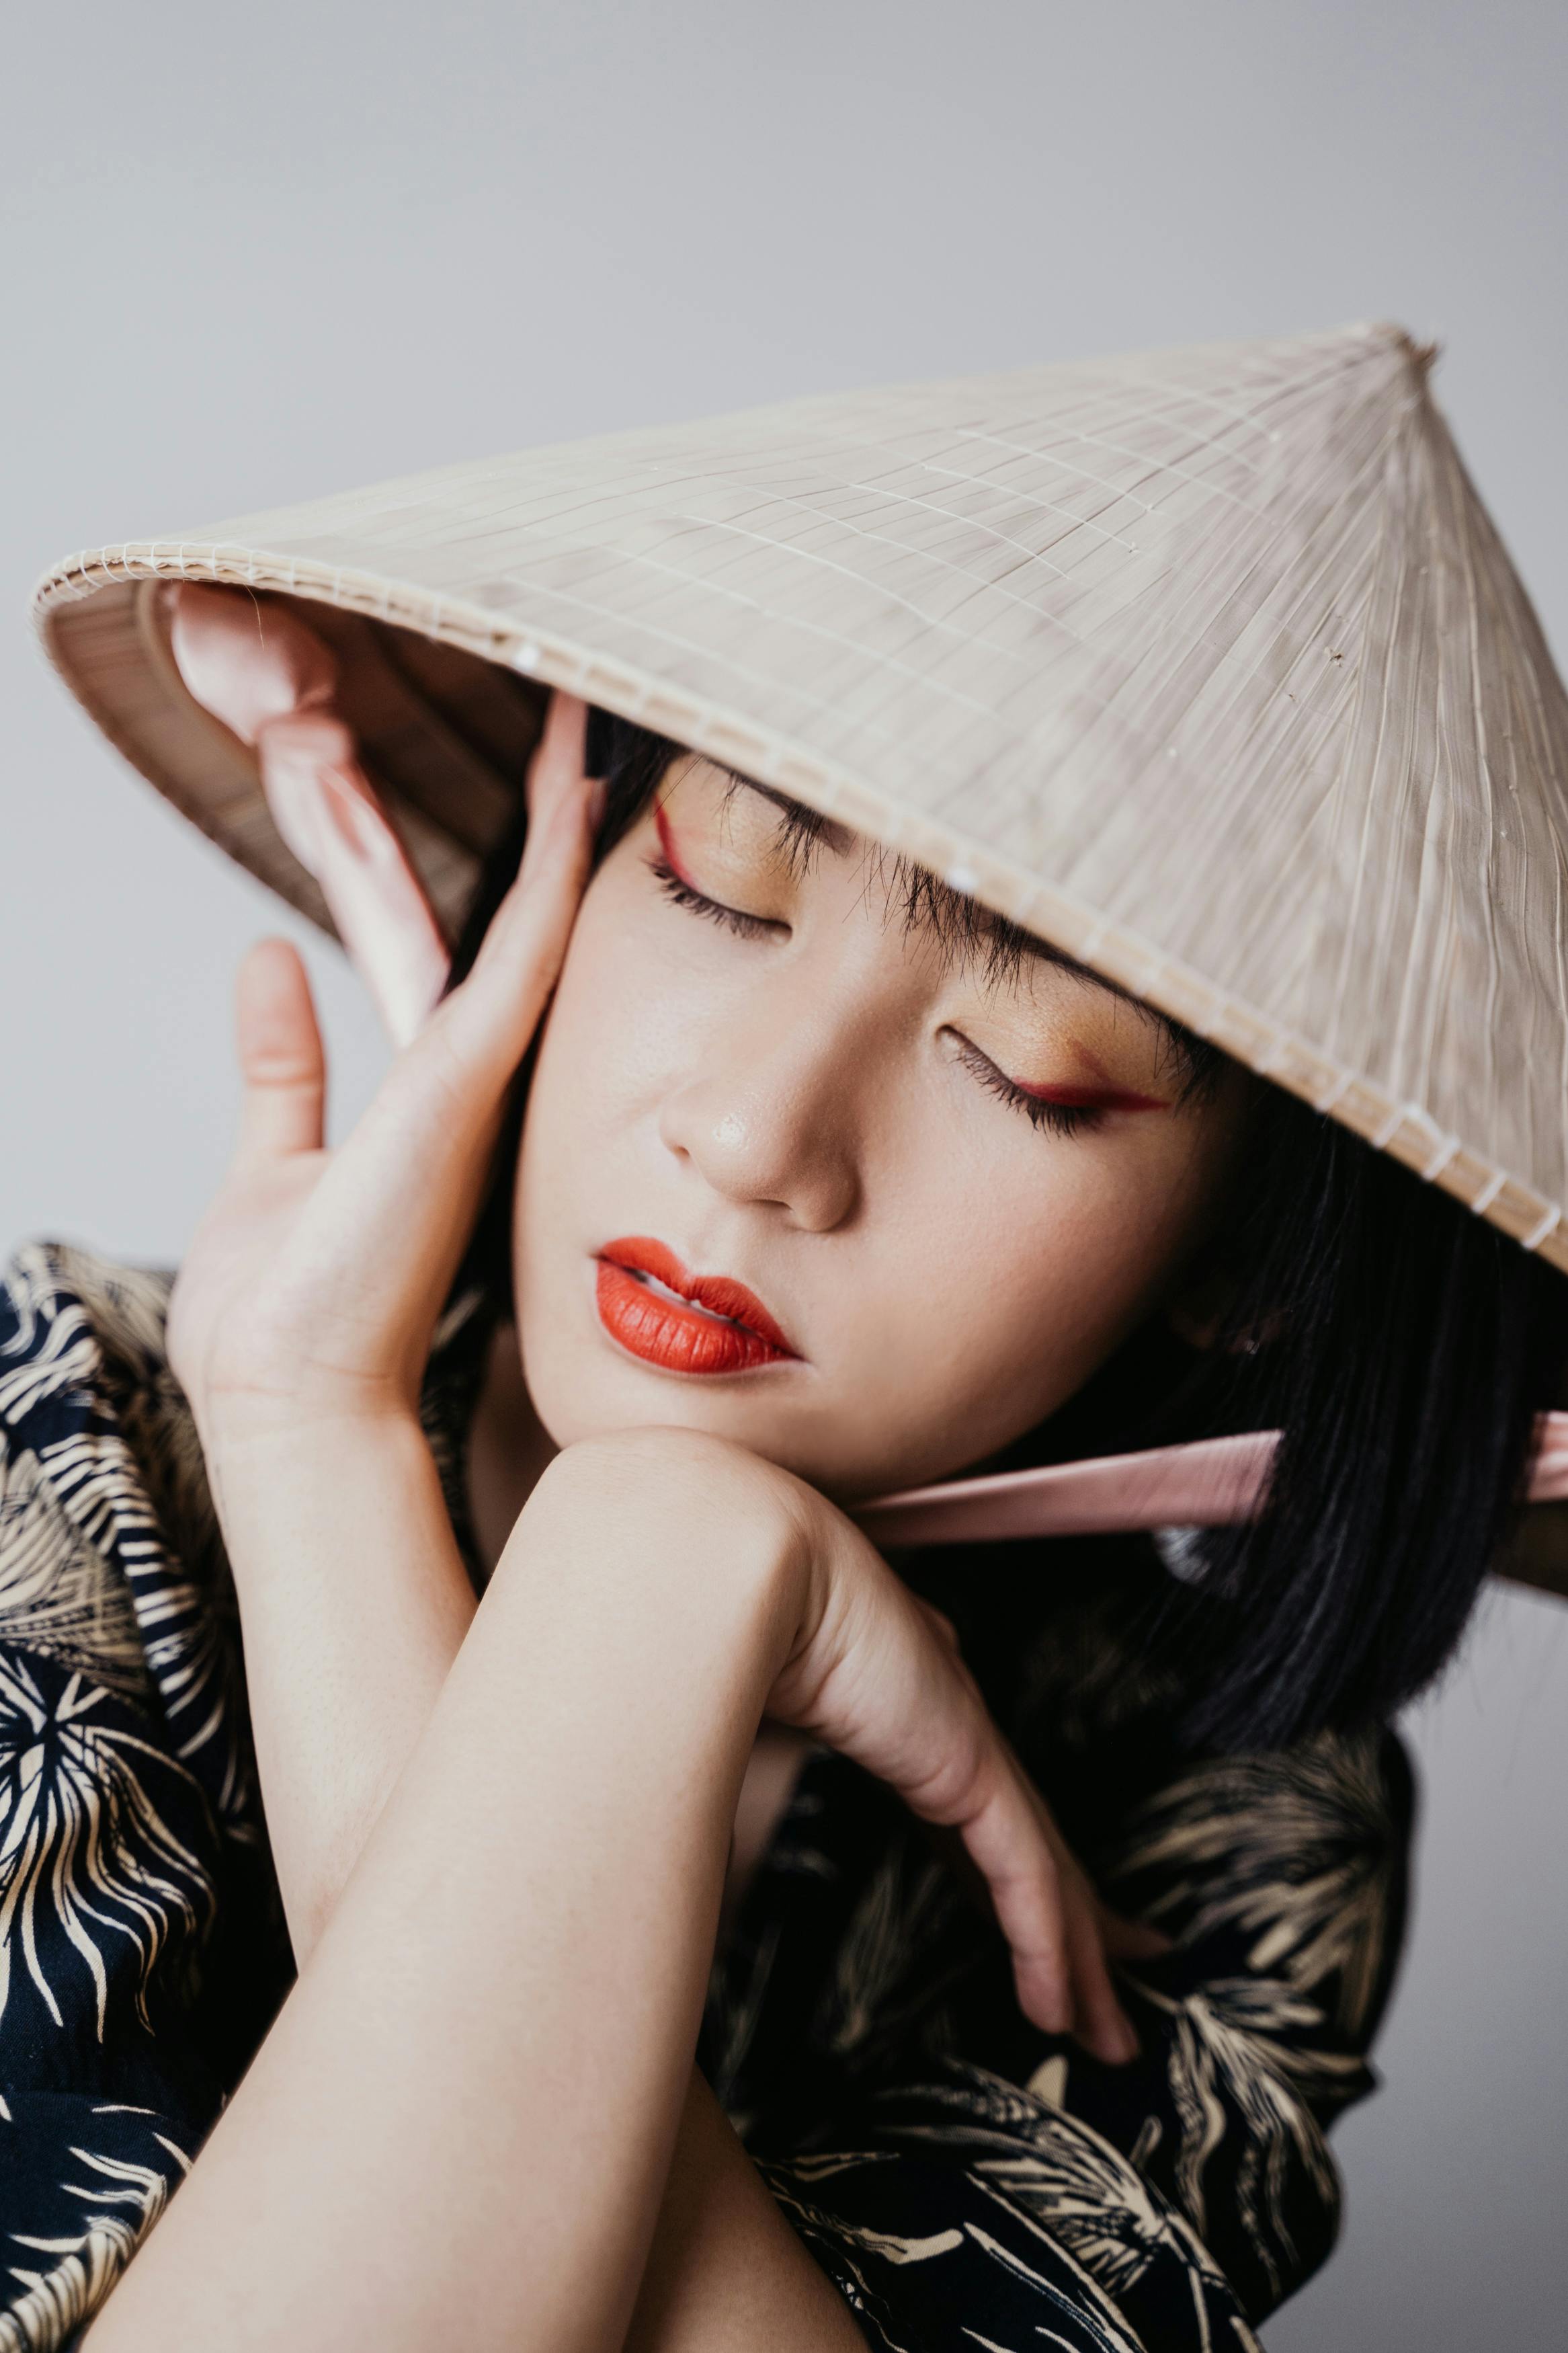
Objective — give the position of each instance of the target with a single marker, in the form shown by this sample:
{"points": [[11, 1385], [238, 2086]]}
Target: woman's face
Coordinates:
{"points": [[802, 1168]]}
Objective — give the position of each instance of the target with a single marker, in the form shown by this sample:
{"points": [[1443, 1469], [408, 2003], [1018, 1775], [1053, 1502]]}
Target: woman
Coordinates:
{"points": [[830, 1181]]}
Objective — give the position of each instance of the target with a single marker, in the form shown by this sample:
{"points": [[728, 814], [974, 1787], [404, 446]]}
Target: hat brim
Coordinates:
{"points": [[448, 701]]}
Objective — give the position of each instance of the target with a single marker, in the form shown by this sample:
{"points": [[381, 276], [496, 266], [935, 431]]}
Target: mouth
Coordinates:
{"points": [[683, 1323]]}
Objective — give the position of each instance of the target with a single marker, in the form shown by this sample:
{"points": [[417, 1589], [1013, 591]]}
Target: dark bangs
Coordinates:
{"points": [[1401, 1345]]}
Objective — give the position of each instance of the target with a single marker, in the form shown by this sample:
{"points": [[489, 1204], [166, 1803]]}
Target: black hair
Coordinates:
{"points": [[1401, 1345]]}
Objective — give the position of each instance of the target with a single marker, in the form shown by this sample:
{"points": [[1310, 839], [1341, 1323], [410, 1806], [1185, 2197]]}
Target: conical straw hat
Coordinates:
{"points": [[1206, 665]]}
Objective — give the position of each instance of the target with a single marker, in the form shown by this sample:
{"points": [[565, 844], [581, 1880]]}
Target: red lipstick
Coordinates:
{"points": [[682, 1323]]}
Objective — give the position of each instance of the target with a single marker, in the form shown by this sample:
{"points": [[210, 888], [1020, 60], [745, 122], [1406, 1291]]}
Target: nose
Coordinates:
{"points": [[773, 1118]]}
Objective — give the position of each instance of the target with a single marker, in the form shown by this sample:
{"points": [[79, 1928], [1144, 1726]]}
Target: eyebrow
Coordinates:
{"points": [[964, 926], [801, 829]]}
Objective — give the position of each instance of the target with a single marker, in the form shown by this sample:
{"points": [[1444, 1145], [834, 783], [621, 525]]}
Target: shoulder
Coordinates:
{"points": [[107, 1527], [73, 1323], [87, 1390]]}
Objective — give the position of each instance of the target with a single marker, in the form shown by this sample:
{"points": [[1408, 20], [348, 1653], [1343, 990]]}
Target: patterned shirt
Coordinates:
{"points": [[963, 2179]]}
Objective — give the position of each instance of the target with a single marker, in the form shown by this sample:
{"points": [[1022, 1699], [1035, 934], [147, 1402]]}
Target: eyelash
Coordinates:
{"points": [[729, 919], [1057, 1119]]}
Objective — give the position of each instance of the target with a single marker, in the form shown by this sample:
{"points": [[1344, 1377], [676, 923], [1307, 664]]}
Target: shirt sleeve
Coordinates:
{"points": [[137, 1961], [965, 2179]]}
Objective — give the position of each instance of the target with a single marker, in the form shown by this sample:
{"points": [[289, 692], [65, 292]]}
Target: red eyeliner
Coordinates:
{"points": [[1091, 1098], [666, 846]]}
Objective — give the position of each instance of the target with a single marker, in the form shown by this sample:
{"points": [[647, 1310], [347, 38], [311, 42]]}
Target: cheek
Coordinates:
{"points": [[598, 1058], [1020, 1281], [625, 1022]]}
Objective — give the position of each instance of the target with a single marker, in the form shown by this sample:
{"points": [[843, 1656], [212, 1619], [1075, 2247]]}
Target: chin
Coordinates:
{"points": [[585, 1388], [583, 1385], [582, 1391]]}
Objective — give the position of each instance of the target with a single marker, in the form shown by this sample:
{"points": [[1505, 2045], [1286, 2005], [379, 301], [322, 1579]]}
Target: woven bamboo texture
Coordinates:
{"points": [[1206, 665]]}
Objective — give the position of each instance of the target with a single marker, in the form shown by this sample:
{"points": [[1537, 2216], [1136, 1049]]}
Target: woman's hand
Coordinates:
{"points": [[302, 1319], [869, 1670], [877, 1674], [313, 1284]]}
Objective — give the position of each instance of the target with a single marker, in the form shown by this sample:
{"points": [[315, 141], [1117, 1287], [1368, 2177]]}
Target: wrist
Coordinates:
{"points": [[268, 1470], [279, 1431], [673, 1511]]}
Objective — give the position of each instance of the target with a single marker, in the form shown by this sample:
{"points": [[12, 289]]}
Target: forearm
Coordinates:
{"points": [[353, 1604], [353, 1615], [726, 2273], [470, 2102]]}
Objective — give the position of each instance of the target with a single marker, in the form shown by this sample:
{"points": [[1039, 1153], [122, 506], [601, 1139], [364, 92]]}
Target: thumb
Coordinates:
{"points": [[281, 1062]]}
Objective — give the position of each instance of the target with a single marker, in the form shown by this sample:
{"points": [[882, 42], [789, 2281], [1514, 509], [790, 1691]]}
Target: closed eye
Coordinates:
{"points": [[679, 887], [1060, 1110], [697, 902], [1065, 1110]]}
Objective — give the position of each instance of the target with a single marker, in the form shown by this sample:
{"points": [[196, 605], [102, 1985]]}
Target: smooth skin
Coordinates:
{"points": [[501, 1832], [811, 1102]]}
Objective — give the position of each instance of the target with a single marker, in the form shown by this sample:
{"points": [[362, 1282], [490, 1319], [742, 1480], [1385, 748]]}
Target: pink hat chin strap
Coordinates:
{"points": [[1210, 1483]]}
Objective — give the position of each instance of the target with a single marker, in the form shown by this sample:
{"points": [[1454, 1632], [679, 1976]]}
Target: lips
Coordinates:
{"points": [[682, 1323]]}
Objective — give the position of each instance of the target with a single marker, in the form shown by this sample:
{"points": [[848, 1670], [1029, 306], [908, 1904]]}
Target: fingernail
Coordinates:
{"points": [[1119, 2042]]}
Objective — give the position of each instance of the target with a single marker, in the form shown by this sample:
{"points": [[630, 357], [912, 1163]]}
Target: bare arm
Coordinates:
{"points": [[726, 2274], [356, 1607], [491, 2048], [354, 1602]]}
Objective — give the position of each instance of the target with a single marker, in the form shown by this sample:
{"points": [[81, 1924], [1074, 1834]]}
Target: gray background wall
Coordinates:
{"points": [[250, 254]]}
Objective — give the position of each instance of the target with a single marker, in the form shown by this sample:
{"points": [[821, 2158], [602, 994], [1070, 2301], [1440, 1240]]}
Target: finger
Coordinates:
{"points": [[283, 1065], [561, 757], [561, 795], [1103, 2025], [876, 1678], [332, 819], [1008, 1846], [1051, 1919], [402, 1190], [1131, 1940], [523, 951], [1047, 1910]]}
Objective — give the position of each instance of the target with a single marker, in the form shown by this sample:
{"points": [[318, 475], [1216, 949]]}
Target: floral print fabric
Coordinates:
{"points": [[965, 2179]]}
